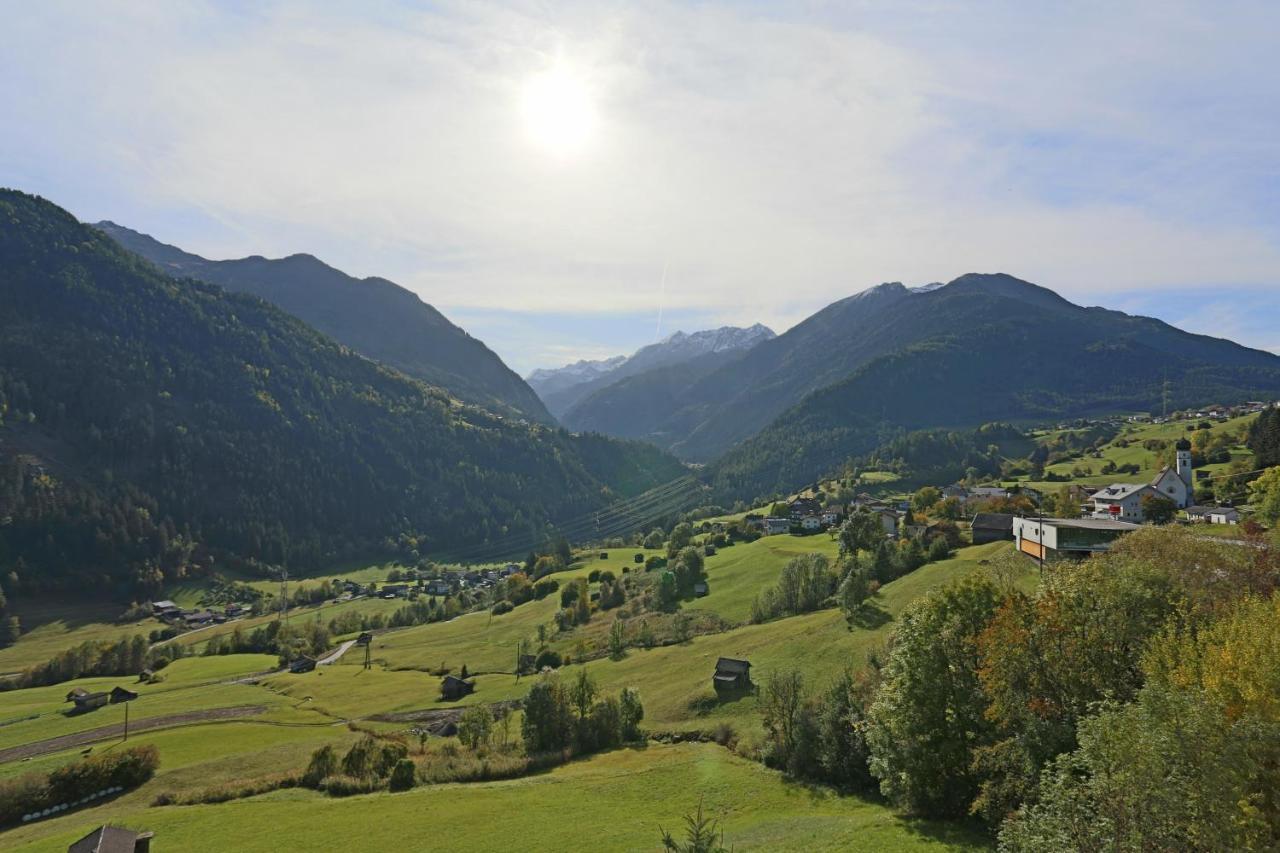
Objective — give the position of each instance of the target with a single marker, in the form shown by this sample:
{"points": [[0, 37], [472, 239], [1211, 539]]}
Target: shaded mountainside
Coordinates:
{"points": [[146, 422], [992, 348], [569, 388], [375, 317]]}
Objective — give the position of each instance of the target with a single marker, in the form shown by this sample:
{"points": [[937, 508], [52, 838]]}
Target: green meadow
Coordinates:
{"points": [[627, 792]]}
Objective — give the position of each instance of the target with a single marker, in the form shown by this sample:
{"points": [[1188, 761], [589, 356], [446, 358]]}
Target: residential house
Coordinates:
{"points": [[438, 587], [831, 516], [1224, 515], [161, 608], [113, 839], [890, 519], [958, 492], [800, 507], [1078, 537], [731, 674], [394, 590], [453, 688], [991, 527], [776, 525], [810, 523]]}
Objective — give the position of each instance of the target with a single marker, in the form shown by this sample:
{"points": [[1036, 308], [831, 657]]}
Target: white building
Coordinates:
{"points": [[1123, 501]]}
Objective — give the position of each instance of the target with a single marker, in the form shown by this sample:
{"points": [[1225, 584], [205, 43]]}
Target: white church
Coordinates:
{"points": [[1123, 501]]}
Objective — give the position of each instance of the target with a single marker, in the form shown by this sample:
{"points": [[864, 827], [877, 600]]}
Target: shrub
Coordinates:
{"points": [[323, 764], [404, 776], [127, 768], [346, 786], [475, 727], [547, 658], [502, 607]]}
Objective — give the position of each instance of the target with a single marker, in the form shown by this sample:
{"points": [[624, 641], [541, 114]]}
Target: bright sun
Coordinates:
{"points": [[558, 112]]}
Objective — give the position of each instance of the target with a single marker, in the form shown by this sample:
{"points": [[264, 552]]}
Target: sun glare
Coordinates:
{"points": [[558, 112]]}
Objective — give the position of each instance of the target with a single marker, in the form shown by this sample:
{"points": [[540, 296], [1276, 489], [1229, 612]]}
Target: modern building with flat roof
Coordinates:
{"points": [[1067, 537]]}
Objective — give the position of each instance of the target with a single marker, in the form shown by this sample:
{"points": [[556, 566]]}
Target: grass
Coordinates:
{"points": [[50, 627], [737, 573], [1135, 453], [628, 794]]}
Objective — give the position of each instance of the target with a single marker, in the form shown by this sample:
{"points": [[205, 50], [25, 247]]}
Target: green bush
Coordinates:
{"points": [[128, 768], [404, 776], [502, 607]]}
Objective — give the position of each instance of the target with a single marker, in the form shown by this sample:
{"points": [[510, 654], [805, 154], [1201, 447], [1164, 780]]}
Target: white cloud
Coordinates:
{"points": [[773, 163]]}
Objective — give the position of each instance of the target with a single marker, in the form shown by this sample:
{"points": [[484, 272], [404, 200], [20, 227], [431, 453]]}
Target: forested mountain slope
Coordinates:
{"points": [[375, 317], [146, 422], [986, 317], [991, 348]]}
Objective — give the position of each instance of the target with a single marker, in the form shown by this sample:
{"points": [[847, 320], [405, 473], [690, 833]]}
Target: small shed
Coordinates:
{"points": [[731, 674], [302, 664], [453, 688], [113, 839], [86, 701], [700, 589], [120, 694]]}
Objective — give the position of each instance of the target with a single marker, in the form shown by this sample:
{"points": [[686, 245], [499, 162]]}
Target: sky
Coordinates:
{"points": [[576, 180]]}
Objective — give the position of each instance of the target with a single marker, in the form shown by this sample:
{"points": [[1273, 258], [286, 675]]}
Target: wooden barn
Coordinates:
{"points": [[302, 664], [731, 674], [86, 701], [453, 688]]}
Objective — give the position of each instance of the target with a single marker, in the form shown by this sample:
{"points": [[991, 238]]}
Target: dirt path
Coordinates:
{"points": [[57, 744]]}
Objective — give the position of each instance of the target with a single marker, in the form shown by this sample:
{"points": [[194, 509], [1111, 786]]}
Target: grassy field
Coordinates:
{"points": [[50, 627], [628, 793], [1135, 453], [625, 796], [736, 574]]}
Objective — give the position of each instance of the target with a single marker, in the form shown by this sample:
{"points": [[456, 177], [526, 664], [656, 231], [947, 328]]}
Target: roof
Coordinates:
{"points": [[449, 679], [1201, 510], [993, 520], [163, 605], [732, 665], [1087, 523], [108, 839], [1119, 491]]}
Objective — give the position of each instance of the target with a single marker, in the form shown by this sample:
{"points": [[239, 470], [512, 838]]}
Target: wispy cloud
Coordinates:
{"points": [[773, 160]]}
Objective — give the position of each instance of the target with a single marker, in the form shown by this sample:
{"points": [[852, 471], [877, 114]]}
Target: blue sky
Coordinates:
{"points": [[770, 158]]}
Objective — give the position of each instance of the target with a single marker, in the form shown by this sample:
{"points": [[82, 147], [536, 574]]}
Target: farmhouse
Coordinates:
{"points": [[800, 507], [453, 688], [811, 522], [1123, 501], [991, 527], [731, 674], [889, 519], [1081, 537], [831, 516], [160, 608], [395, 590], [113, 839]]}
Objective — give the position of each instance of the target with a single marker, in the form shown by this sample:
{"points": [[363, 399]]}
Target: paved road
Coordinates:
{"points": [[337, 654]]}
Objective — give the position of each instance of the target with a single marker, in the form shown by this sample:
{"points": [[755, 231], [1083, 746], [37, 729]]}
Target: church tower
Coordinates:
{"points": [[1183, 467]]}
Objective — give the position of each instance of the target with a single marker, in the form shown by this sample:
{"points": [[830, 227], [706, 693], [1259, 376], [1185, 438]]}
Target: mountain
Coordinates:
{"points": [[982, 348], [375, 317], [150, 426], [564, 388], [552, 380]]}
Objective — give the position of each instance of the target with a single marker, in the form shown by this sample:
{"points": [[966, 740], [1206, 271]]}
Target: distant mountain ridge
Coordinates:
{"points": [[563, 388], [375, 317], [979, 349]]}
